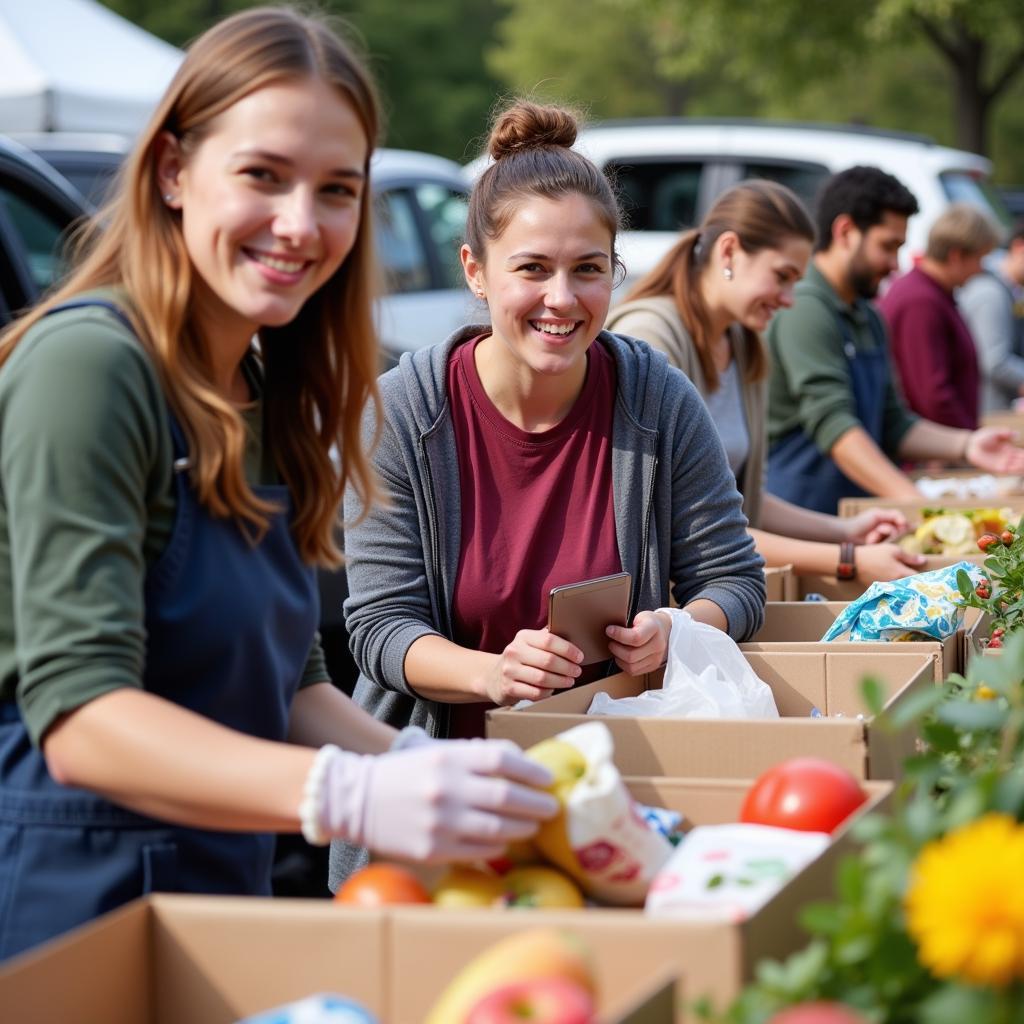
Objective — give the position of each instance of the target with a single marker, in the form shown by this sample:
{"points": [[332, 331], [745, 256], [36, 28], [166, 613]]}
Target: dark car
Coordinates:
{"points": [[37, 207]]}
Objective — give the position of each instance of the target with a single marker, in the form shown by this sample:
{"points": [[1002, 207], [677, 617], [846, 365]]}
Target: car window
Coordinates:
{"points": [[40, 234], [803, 179], [657, 195], [399, 245], [444, 214], [961, 187]]}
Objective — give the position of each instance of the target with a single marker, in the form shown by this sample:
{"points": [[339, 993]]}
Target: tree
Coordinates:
{"points": [[428, 58], [783, 44], [611, 63]]}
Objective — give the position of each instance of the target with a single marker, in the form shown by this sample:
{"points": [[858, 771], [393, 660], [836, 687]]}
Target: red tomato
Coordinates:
{"points": [[377, 885], [818, 1013], [803, 793]]}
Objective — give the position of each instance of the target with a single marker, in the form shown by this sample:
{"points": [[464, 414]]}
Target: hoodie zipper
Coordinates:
{"points": [[441, 710]]}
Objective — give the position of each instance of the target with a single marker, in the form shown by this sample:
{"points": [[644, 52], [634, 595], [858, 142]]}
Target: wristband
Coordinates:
{"points": [[313, 796], [847, 567], [967, 444]]}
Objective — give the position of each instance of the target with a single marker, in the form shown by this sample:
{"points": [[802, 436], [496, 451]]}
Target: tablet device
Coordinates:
{"points": [[579, 613]]}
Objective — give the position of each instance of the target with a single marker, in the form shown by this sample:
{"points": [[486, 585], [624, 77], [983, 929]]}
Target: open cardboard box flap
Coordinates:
{"points": [[800, 679], [802, 622], [170, 959]]}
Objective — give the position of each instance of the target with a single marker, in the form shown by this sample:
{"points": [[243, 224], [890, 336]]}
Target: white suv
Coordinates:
{"points": [[669, 172]]}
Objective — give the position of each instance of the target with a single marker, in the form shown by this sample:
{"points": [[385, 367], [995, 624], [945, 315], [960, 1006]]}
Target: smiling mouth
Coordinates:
{"points": [[278, 263], [561, 330]]}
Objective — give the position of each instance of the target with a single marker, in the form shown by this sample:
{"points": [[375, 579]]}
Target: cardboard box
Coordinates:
{"points": [[778, 581], [1004, 418], [211, 960], [812, 676], [801, 584], [791, 625], [710, 959], [912, 509], [205, 960]]}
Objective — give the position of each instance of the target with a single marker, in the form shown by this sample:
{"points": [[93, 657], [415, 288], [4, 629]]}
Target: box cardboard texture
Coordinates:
{"points": [[208, 960], [171, 959], [778, 582], [812, 676], [912, 509], [793, 625]]}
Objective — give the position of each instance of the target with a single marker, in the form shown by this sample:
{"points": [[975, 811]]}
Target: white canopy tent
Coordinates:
{"points": [[75, 65]]}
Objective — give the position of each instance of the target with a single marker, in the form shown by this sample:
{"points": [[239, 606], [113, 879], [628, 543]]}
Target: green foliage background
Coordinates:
{"points": [[442, 64]]}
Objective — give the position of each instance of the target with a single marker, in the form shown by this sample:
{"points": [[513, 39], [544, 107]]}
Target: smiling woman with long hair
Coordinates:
{"points": [[166, 490]]}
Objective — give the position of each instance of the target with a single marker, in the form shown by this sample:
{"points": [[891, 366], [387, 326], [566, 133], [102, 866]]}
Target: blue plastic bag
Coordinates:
{"points": [[921, 607]]}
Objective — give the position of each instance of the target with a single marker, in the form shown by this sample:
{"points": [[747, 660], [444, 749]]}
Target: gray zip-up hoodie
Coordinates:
{"points": [[678, 516]]}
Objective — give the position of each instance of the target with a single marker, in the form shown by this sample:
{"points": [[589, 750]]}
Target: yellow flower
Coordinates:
{"points": [[965, 904], [984, 692]]}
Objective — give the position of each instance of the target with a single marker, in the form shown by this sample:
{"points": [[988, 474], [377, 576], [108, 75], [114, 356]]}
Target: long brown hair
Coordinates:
{"points": [[321, 368], [763, 214]]}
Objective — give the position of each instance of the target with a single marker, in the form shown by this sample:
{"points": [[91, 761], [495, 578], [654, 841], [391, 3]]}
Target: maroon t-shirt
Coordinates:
{"points": [[537, 510]]}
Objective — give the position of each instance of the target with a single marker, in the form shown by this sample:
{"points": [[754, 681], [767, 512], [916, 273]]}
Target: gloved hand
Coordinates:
{"points": [[446, 801]]}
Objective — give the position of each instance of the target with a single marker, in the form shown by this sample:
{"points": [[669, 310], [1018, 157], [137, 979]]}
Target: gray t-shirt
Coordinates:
{"points": [[726, 407]]}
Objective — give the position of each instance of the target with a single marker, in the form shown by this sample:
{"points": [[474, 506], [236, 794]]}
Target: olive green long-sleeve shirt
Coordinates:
{"points": [[86, 504], [810, 387]]}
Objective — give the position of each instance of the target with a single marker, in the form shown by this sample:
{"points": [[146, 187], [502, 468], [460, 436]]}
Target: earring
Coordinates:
{"points": [[168, 197], [727, 273]]}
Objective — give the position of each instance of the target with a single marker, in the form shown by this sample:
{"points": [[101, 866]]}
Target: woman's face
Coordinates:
{"points": [[270, 203], [763, 282], [547, 280]]}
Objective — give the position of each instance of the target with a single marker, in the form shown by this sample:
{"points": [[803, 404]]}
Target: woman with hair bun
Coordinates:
{"points": [[705, 305], [166, 490], [533, 451]]}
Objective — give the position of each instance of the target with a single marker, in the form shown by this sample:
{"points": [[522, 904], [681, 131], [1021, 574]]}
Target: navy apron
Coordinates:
{"points": [[229, 627], [797, 471]]}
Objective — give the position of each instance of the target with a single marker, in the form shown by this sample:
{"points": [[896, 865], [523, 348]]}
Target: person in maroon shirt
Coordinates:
{"points": [[932, 347], [531, 452]]}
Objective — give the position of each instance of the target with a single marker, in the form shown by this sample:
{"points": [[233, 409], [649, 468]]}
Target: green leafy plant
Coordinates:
{"points": [[864, 951], [1001, 593]]}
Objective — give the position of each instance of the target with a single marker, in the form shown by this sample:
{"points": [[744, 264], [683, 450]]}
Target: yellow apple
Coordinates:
{"points": [[463, 886], [540, 886]]}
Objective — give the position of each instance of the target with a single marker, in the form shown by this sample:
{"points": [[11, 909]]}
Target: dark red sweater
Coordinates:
{"points": [[933, 351]]}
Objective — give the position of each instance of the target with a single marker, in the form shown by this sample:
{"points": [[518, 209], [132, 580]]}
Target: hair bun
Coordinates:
{"points": [[527, 125]]}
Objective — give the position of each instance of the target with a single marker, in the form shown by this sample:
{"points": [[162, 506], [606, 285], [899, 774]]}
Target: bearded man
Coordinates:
{"points": [[837, 423]]}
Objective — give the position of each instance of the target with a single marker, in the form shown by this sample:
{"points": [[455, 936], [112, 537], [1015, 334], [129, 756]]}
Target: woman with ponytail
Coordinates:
{"points": [[532, 451], [167, 489], [705, 305]]}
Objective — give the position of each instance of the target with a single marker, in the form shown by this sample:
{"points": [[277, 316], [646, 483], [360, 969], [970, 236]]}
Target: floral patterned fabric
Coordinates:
{"points": [[921, 607]]}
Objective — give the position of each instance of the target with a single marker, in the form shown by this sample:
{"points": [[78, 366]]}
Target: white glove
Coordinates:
{"points": [[442, 801]]}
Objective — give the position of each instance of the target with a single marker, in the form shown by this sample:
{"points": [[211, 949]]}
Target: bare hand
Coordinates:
{"points": [[874, 525], [995, 449], [642, 647], [886, 562], [534, 665]]}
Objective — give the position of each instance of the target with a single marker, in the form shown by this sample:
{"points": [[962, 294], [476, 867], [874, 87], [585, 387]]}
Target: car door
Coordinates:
{"points": [[419, 230], [35, 215], [804, 177]]}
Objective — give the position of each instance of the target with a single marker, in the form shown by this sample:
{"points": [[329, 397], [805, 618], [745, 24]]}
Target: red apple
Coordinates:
{"points": [[539, 1001]]}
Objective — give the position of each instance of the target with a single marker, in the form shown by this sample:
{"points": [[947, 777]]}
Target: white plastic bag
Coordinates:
{"points": [[706, 676]]}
